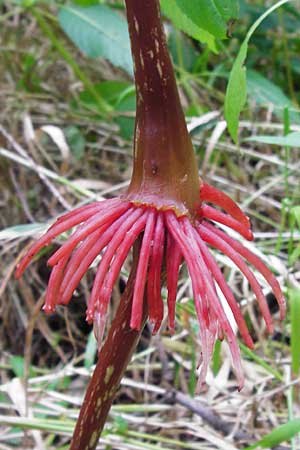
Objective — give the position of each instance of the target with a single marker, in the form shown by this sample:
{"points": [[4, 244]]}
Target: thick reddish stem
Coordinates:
{"points": [[165, 172], [112, 362]]}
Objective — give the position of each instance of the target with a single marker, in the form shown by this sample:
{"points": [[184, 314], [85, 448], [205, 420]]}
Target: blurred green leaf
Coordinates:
{"points": [[216, 358], [183, 53], [181, 21], [17, 364], [211, 16], [90, 351], [120, 425], [290, 140], [126, 105], [296, 213], [98, 31], [236, 92], [111, 91], [260, 361], [192, 383], [265, 93], [85, 2], [295, 254], [280, 434], [294, 296], [75, 140], [29, 79], [295, 218], [121, 96], [228, 9], [18, 231]]}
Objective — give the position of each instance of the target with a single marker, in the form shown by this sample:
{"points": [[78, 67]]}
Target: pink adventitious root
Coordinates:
{"points": [[110, 229]]}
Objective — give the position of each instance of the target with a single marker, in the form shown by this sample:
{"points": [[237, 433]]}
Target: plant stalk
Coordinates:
{"points": [[112, 362], [165, 176], [165, 172]]}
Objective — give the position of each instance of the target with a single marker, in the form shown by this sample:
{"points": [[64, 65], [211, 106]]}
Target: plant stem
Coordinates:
{"points": [[112, 362], [165, 171]]}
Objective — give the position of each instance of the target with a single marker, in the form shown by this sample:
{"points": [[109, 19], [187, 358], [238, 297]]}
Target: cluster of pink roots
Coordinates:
{"points": [[111, 227]]}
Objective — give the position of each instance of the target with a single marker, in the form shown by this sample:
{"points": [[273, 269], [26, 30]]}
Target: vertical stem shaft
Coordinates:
{"points": [[165, 171], [154, 75], [111, 365]]}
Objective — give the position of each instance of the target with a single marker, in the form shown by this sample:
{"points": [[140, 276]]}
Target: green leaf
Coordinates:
{"points": [[192, 382], [75, 140], [260, 361], [98, 31], [294, 296], [229, 9], [236, 92], [295, 218], [18, 231], [265, 93], [280, 434], [295, 254], [120, 425], [296, 213], [290, 140], [18, 364], [90, 351], [182, 50], [211, 16], [126, 105], [217, 357], [121, 96], [111, 91], [181, 21], [85, 2]]}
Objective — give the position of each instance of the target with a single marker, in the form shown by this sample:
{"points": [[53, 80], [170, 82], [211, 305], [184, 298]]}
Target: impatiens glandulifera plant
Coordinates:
{"points": [[166, 216]]}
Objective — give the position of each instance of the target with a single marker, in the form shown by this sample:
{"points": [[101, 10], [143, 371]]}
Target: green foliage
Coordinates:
{"points": [[294, 296], [236, 92], [280, 434], [75, 140], [295, 219], [260, 361], [265, 94], [90, 351], [112, 91], [290, 140], [210, 16], [98, 31], [227, 9], [120, 425], [18, 366], [171, 9], [126, 124], [29, 80], [121, 96], [18, 231], [182, 50], [216, 358], [85, 2]]}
